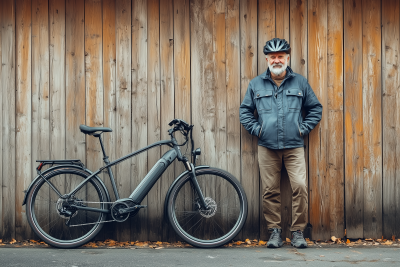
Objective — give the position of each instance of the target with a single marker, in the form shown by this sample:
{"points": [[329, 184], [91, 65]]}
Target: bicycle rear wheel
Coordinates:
{"points": [[48, 213], [216, 226]]}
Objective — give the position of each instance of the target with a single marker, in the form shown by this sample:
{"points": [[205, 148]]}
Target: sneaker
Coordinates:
{"points": [[275, 240], [298, 240]]}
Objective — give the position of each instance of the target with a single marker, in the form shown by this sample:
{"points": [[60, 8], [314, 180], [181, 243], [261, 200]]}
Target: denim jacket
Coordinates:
{"points": [[280, 123]]}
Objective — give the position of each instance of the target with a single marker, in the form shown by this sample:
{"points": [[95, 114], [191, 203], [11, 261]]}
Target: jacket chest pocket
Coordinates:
{"points": [[263, 101], [294, 99]]}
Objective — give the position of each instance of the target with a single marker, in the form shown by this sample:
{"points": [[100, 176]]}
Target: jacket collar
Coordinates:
{"points": [[267, 73]]}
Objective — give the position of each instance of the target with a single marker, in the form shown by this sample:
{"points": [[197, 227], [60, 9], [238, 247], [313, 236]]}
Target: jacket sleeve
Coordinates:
{"points": [[246, 113], [312, 108]]}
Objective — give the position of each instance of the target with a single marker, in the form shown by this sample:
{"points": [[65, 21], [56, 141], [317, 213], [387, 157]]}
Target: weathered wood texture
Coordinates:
{"points": [[318, 138], [353, 112], [134, 65], [391, 117], [23, 112]]}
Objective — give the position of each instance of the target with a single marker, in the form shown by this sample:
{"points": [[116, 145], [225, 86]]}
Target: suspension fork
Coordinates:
{"points": [[196, 186]]}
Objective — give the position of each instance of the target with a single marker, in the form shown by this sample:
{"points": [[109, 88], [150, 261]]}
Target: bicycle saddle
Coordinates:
{"points": [[91, 130]]}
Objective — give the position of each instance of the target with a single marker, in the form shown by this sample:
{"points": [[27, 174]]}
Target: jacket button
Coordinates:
{"points": [[289, 92], [258, 95]]}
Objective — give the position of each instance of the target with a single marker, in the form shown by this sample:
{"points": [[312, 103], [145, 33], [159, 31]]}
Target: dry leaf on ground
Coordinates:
{"points": [[387, 243], [333, 238], [13, 241], [262, 243], [348, 241], [248, 241], [287, 240]]}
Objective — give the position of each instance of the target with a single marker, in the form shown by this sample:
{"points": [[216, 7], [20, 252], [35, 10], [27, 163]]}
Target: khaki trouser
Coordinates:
{"points": [[270, 162]]}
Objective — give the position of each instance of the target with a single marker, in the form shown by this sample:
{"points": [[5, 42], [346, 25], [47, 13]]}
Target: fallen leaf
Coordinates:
{"points": [[393, 238], [348, 241], [388, 243], [1, 240], [13, 241], [255, 240], [262, 243], [359, 241], [287, 240], [379, 240], [159, 247], [248, 241], [321, 255], [333, 238], [369, 239], [158, 243], [239, 243]]}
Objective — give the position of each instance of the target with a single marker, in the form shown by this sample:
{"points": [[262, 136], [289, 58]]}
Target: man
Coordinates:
{"points": [[279, 95]]}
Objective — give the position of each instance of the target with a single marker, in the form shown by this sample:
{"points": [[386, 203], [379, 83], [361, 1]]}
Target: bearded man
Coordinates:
{"points": [[280, 96]]}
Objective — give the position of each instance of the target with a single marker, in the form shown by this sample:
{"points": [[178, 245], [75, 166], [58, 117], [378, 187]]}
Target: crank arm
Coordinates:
{"points": [[122, 211]]}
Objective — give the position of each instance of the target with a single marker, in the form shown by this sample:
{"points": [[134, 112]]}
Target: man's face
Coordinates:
{"points": [[277, 62]]}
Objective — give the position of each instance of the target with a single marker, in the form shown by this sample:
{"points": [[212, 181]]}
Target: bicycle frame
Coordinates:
{"points": [[151, 177]]}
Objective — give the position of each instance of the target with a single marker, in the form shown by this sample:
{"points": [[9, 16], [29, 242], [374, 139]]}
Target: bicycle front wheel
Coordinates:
{"points": [[48, 214], [223, 220]]}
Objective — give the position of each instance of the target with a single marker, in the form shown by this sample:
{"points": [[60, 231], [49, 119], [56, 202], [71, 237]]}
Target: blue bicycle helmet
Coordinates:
{"points": [[276, 45]]}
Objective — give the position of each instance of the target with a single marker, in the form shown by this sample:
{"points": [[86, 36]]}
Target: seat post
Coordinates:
{"points": [[105, 158]]}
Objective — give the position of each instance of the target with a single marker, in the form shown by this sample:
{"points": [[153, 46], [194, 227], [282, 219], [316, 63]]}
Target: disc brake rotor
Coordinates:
{"points": [[212, 205]]}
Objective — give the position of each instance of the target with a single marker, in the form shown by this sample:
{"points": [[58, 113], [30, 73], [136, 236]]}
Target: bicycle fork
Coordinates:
{"points": [[197, 187]]}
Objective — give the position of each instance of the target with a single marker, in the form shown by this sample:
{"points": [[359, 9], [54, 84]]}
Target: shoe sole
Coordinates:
{"points": [[273, 246], [301, 246]]}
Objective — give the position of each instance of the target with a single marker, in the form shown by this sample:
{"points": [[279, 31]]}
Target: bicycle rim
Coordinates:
{"points": [[219, 224], [47, 220]]}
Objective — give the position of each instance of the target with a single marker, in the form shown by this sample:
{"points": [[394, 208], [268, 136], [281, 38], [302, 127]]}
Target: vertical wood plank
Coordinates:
{"points": [[139, 228], [167, 101], [335, 171], [318, 138], [266, 32], [353, 109], [75, 83], [391, 117], [249, 160], [153, 110], [204, 108], [232, 33], [57, 89], [109, 91], [8, 117], [299, 64], [1, 121], [123, 87], [23, 113], [372, 123], [182, 77], [40, 85]]}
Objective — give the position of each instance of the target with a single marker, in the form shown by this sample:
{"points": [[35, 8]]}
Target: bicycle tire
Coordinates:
{"points": [[43, 208], [208, 228]]}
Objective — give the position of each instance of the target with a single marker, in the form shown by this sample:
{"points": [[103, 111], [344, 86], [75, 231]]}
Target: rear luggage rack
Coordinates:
{"points": [[59, 162]]}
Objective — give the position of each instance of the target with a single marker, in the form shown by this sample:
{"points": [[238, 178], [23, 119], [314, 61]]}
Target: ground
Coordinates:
{"points": [[239, 253]]}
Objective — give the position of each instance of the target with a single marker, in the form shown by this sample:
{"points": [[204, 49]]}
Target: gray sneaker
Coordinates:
{"points": [[275, 240], [298, 240]]}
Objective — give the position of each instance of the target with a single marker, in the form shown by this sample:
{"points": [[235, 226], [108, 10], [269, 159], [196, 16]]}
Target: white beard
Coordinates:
{"points": [[277, 71]]}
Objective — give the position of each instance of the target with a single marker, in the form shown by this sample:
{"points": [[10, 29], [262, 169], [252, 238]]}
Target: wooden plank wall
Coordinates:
{"points": [[133, 65]]}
